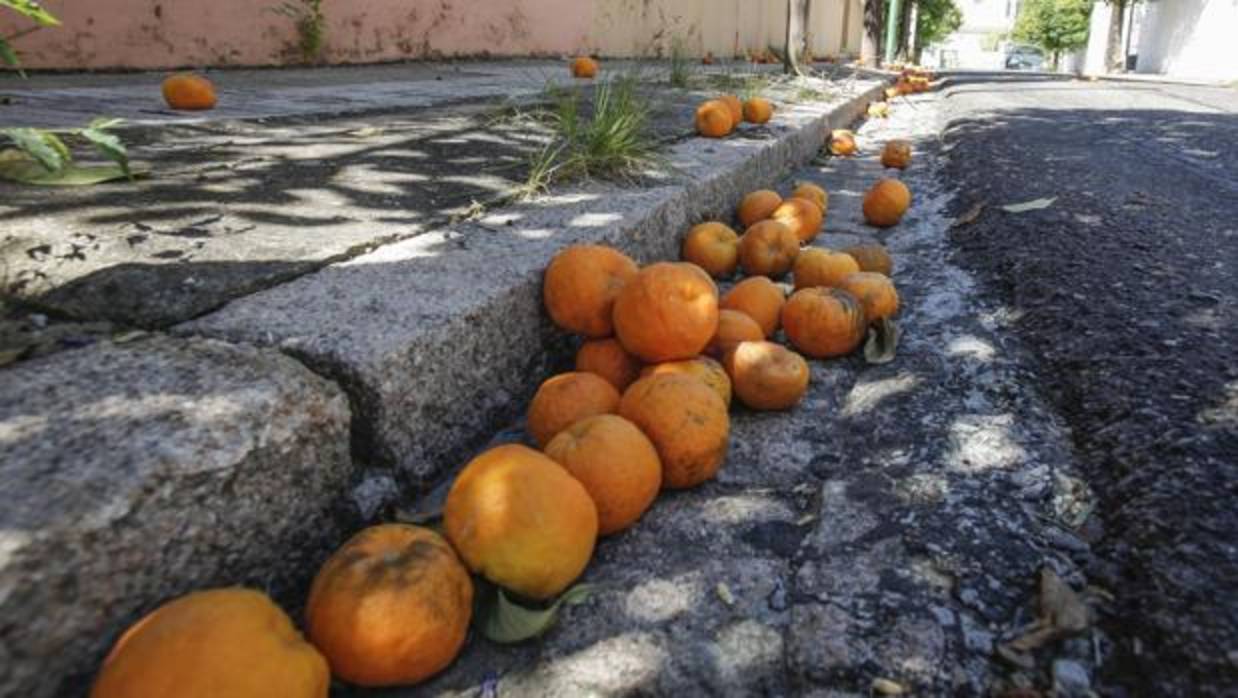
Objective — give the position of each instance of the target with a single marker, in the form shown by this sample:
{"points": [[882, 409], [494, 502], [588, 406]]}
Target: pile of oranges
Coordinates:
{"points": [[716, 118], [662, 355]]}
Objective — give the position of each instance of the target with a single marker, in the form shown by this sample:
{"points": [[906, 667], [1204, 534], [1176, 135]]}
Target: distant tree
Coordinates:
{"points": [[935, 20], [1054, 25], [793, 46]]}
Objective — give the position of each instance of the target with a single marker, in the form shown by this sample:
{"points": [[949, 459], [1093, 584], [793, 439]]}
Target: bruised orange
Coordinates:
{"points": [[706, 369], [817, 266], [886, 202], [767, 375], [714, 247], [391, 606], [842, 142], [768, 248], [802, 216], [733, 327], [687, 423], [189, 91], [566, 398], [872, 257], [896, 153], [220, 642], [757, 206], [520, 520], [814, 193], [875, 292], [668, 311], [713, 119], [580, 286], [824, 322], [758, 298], [608, 359], [616, 463]]}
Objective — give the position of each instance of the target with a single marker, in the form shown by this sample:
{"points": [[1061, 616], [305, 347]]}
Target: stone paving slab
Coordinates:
{"points": [[132, 473], [441, 339], [892, 526]]}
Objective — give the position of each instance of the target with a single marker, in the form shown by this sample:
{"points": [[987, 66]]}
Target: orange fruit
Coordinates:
{"points": [[521, 520], [875, 292], [896, 153], [824, 322], [758, 110], [802, 216], [687, 423], [768, 248], [668, 311], [713, 119], [706, 369], [607, 358], [580, 286], [734, 107], [567, 398], [390, 607], [221, 642], [189, 91], [815, 194], [714, 247], [886, 202], [872, 257], [878, 110], [584, 67], [733, 327], [616, 463], [757, 206], [758, 298], [842, 142], [817, 266], [766, 375]]}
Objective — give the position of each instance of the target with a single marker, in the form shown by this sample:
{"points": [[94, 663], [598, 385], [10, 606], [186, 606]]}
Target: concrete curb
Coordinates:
{"points": [[441, 339]]}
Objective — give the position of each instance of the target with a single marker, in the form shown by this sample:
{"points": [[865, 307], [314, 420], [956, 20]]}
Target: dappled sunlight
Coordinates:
{"points": [[595, 220], [867, 395], [746, 646], [743, 508], [659, 600], [979, 443], [971, 347], [923, 489], [611, 666]]}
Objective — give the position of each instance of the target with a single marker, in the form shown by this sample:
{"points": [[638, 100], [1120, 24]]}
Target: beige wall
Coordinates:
{"points": [[170, 33]]}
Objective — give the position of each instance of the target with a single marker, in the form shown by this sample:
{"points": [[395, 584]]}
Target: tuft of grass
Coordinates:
{"points": [[612, 140], [681, 66]]}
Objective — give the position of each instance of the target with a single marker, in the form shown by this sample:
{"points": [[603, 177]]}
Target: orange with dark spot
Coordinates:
{"points": [[768, 248], [687, 423], [824, 322]]}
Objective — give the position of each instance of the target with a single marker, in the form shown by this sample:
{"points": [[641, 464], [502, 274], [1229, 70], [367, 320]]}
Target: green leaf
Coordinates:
{"points": [[36, 144], [882, 342], [17, 166], [504, 621], [103, 123], [32, 10], [9, 56], [109, 145]]}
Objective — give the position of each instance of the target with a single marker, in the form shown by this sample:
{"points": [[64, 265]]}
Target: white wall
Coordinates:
{"points": [[1190, 39]]}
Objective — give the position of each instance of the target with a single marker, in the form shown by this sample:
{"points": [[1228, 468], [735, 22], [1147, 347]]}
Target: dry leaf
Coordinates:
{"points": [[969, 216], [1033, 205], [724, 593], [887, 687]]}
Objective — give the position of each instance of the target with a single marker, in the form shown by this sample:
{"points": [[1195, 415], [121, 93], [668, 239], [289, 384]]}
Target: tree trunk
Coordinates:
{"points": [[1115, 51], [904, 34], [870, 41], [794, 44]]}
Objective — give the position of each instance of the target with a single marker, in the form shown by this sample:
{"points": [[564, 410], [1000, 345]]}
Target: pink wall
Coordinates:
{"points": [[170, 33]]}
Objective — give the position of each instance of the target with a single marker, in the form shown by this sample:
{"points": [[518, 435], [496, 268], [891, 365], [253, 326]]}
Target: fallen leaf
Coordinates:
{"points": [[506, 622], [969, 216], [19, 167], [1062, 613], [882, 342], [1033, 205], [724, 593], [887, 687], [126, 337]]}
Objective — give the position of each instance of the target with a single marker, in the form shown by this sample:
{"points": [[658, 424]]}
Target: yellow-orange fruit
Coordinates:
{"points": [[390, 607], [758, 110], [875, 292], [584, 67], [580, 286], [886, 202], [758, 298], [824, 322], [757, 206], [668, 311], [872, 257], [842, 142], [220, 642], [768, 248], [714, 247], [735, 107], [706, 369], [766, 375], [896, 153], [879, 110], [802, 216], [733, 327], [817, 266], [687, 423], [815, 194], [608, 359], [567, 398], [521, 520], [616, 463], [713, 119], [189, 91]]}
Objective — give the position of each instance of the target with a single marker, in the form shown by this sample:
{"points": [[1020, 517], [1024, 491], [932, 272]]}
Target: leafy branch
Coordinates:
{"points": [[44, 158], [31, 10]]}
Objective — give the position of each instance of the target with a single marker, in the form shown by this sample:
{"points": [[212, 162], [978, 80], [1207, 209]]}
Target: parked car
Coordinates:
{"points": [[1023, 57]]}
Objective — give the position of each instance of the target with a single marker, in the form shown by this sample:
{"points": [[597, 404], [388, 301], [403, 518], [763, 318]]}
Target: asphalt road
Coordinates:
{"points": [[1124, 288]]}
